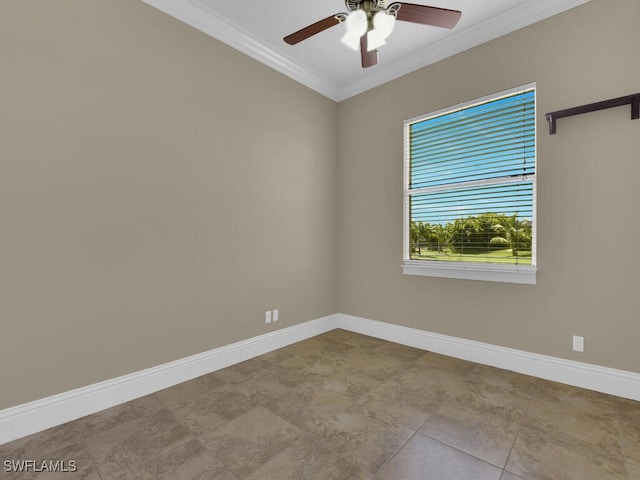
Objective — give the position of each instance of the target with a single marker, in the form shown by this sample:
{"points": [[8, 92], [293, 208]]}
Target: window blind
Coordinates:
{"points": [[471, 182]]}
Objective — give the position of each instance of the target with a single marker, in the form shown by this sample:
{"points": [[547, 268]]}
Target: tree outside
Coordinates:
{"points": [[488, 237]]}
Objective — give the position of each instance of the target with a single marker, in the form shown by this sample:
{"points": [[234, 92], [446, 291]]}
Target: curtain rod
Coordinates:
{"points": [[633, 100]]}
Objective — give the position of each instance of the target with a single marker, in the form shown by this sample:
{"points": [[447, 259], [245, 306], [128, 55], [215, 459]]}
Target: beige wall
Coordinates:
{"points": [[588, 201], [158, 192]]}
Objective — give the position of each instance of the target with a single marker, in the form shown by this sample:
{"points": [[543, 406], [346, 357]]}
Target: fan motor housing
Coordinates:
{"points": [[366, 5]]}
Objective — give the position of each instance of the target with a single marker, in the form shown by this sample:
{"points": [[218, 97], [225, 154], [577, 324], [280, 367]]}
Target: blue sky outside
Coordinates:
{"points": [[490, 142], [445, 206]]}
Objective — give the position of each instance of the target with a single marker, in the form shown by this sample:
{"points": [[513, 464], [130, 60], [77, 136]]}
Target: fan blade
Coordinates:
{"points": [[312, 29], [369, 59], [438, 17]]}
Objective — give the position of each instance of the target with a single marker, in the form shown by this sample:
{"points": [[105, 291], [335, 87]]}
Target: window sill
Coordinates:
{"points": [[523, 274]]}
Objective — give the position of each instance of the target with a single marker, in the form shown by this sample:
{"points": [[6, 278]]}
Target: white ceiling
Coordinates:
{"points": [[323, 63]]}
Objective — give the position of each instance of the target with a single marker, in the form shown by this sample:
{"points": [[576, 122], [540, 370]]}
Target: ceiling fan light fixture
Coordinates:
{"points": [[375, 19], [357, 25], [383, 24], [374, 41]]}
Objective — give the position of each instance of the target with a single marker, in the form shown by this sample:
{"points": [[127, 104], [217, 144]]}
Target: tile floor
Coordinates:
{"points": [[347, 406]]}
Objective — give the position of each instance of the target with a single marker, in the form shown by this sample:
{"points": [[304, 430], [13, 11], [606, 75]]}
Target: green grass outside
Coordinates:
{"points": [[495, 256]]}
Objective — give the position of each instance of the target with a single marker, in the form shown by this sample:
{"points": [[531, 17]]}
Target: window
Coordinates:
{"points": [[470, 189]]}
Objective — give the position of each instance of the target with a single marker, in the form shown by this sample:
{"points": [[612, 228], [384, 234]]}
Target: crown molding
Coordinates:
{"points": [[495, 27], [198, 16], [204, 19]]}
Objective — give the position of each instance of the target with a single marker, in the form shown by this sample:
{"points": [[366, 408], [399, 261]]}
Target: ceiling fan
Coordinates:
{"points": [[370, 22]]}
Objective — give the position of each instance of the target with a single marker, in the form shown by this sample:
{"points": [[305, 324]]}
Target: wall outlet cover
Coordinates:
{"points": [[578, 343]]}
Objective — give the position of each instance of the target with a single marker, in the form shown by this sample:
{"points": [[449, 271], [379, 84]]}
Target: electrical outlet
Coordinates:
{"points": [[578, 343], [275, 315], [267, 316]]}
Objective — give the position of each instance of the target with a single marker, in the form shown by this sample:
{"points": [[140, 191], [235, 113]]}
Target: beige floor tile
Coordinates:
{"points": [[134, 443], [443, 362], [188, 461], [397, 351], [122, 476], [342, 426], [349, 383], [307, 459], [311, 366], [187, 390], [536, 457], [366, 441], [240, 371], [276, 356], [112, 417], [249, 441], [369, 362], [209, 410], [310, 408], [629, 415], [558, 420], [629, 410], [432, 382], [397, 403], [504, 380], [347, 406], [633, 472], [315, 357], [425, 458], [314, 346], [630, 434], [318, 347], [489, 399], [269, 383], [510, 476], [481, 433], [573, 397]]}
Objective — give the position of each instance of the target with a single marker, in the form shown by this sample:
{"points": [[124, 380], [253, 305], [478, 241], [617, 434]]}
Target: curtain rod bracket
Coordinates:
{"points": [[633, 100]]}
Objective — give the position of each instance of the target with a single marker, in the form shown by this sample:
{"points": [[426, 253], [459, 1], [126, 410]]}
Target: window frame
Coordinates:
{"points": [[493, 272]]}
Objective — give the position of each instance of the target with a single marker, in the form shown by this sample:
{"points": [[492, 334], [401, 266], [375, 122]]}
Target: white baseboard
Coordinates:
{"points": [[601, 379], [22, 420]]}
